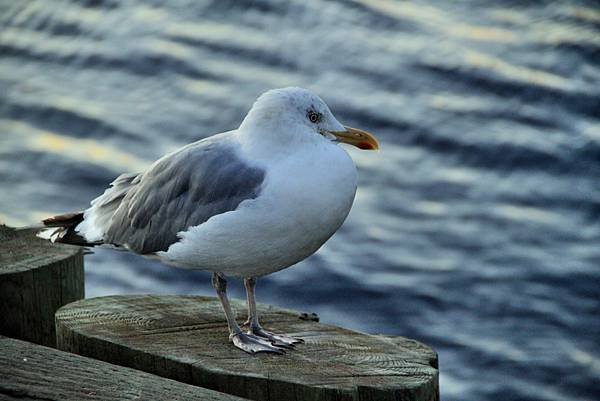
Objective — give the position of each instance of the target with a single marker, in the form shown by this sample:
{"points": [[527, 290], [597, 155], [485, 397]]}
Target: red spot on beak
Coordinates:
{"points": [[365, 146]]}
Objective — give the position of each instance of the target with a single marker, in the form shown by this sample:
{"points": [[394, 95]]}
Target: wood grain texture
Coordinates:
{"points": [[36, 278], [33, 372], [185, 338]]}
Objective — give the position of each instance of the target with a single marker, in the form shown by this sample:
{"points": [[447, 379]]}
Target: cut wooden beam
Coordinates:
{"points": [[33, 372]]}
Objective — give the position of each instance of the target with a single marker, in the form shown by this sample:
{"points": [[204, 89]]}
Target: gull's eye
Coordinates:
{"points": [[314, 117]]}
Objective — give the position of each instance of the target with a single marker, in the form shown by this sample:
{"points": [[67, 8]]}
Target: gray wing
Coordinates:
{"points": [[181, 190]]}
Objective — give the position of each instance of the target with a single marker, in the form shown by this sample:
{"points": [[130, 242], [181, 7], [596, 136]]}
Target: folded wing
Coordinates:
{"points": [[144, 212]]}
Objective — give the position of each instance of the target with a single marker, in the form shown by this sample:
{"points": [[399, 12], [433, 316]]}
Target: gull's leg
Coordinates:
{"points": [[245, 341], [280, 340]]}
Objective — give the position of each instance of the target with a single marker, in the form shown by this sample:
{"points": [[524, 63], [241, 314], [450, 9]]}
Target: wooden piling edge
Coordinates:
{"points": [[36, 278], [185, 338]]}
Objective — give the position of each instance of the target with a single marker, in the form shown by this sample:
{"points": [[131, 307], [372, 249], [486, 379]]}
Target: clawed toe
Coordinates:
{"points": [[253, 344]]}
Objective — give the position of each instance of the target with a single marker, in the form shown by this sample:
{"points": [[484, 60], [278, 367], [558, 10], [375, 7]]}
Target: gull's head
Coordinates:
{"points": [[297, 115]]}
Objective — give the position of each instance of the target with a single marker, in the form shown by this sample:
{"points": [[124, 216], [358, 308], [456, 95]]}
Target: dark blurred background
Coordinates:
{"points": [[475, 229]]}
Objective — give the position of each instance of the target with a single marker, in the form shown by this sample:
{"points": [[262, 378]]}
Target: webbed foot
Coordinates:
{"points": [[253, 344]]}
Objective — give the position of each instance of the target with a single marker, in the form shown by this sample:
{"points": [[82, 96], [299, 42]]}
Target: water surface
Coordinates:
{"points": [[475, 229]]}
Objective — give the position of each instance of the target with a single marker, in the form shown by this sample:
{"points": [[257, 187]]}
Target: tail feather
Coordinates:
{"points": [[62, 228], [88, 229]]}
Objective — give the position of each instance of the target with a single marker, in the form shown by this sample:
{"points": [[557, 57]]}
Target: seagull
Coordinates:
{"points": [[243, 203]]}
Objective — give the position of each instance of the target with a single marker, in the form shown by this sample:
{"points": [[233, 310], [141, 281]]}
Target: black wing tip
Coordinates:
{"points": [[64, 220], [65, 229]]}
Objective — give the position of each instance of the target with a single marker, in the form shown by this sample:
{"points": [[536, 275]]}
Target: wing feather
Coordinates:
{"points": [[180, 190]]}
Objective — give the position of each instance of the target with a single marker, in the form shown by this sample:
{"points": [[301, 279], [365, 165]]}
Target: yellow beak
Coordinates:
{"points": [[356, 137]]}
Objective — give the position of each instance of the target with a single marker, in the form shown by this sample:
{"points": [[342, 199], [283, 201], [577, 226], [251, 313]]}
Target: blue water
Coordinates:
{"points": [[475, 229]]}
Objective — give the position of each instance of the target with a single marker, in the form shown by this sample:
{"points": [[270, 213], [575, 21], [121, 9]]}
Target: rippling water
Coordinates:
{"points": [[475, 229]]}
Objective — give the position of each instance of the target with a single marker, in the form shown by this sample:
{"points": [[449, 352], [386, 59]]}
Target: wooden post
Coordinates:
{"points": [[33, 372], [185, 338], [36, 278]]}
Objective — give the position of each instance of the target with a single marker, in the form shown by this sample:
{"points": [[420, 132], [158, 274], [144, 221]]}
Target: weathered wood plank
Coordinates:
{"points": [[185, 338], [33, 372], [36, 278]]}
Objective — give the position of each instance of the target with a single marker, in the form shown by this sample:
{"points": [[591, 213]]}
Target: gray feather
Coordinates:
{"points": [[107, 204], [181, 190]]}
